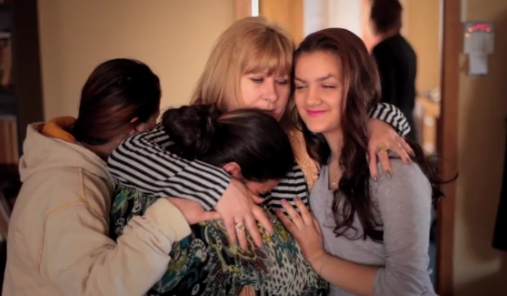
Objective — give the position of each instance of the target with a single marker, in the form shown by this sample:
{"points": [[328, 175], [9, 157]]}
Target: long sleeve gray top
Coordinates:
{"points": [[404, 211]]}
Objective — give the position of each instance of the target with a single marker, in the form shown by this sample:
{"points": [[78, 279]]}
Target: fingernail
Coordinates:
{"points": [[409, 161], [297, 198], [277, 211], [283, 202], [375, 178], [389, 174], [412, 153]]}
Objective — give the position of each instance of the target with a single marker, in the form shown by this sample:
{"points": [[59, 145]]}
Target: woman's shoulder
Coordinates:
{"points": [[402, 171], [407, 180]]}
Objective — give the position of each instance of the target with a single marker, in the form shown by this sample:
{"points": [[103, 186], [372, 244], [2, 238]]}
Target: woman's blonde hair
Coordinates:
{"points": [[250, 45]]}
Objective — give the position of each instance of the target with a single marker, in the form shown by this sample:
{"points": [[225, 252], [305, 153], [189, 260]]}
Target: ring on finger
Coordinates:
{"points": [[239, 227], [381, 148]]}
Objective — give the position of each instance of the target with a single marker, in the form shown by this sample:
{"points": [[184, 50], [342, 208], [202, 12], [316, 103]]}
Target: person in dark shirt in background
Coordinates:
{"points": [[396, 59]]}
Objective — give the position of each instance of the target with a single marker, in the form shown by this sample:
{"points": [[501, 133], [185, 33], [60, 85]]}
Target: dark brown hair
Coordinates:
{"points": [[116, 92], [361, 92], [249, 137], [386, 15]]}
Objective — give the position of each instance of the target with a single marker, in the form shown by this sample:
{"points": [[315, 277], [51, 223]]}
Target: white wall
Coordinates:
{"points": [[321, 14]]}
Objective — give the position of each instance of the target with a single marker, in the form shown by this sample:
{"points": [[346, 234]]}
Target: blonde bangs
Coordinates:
{"points": [[270, 50], [250, 45]]}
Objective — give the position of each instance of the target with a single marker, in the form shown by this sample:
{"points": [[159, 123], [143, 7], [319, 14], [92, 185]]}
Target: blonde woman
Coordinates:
{"points": [[249, 66]]}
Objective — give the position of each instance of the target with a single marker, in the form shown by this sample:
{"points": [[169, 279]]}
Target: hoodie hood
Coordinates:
{"points": [[49, 145]]}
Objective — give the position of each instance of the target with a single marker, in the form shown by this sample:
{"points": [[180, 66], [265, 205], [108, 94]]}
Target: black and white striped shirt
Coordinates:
{"points": [[143, 162]]}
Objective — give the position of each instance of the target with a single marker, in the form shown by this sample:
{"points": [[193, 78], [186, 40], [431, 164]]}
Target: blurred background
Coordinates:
{"points": [[49, 47]]}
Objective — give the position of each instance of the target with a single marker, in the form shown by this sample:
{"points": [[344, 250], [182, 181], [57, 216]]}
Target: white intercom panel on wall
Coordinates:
{"points": [[478, 44]]}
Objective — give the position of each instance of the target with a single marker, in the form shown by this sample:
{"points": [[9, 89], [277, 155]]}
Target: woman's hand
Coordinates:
{"points": [[193, 211], [381, 138], [239, 210], [306, 230]]}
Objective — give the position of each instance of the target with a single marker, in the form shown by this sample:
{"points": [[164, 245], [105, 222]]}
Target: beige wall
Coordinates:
{"points": [[173, 37], [478, 268], [421, 26]]}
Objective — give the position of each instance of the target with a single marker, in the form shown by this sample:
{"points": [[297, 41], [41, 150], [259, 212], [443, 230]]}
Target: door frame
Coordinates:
{"points": [[451, 43]]}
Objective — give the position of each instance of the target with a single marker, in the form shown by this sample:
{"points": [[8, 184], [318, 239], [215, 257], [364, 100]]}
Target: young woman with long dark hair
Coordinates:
{"points": [[367, 237]]}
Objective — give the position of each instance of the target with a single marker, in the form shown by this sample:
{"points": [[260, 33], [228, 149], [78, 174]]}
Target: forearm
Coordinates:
{"points": [[355, 278], [145, 164], [80, 259], [391, 115]]}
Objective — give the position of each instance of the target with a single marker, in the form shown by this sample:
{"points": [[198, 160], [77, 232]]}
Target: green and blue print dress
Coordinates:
{"points": [[205, 263]]}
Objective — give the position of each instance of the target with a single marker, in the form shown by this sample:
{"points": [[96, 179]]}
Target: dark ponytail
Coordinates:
{"points": [[192, 128], [248, 137]]}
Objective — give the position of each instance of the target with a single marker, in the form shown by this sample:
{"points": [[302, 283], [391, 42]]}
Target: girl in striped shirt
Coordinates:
{"points": [[252, 147]]}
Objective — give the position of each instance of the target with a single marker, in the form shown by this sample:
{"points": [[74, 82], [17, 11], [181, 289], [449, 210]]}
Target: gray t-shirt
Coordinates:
{"points": [[404, 209]]}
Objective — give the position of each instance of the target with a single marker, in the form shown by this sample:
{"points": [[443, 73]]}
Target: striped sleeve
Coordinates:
{"points": [[294, 185], [393, 116], [144, 163]]}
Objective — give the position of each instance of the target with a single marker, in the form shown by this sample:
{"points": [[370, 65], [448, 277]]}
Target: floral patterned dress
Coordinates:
{"points": [[205, 263]]}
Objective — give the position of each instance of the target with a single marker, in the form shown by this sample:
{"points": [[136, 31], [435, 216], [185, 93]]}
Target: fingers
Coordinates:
{"points": [[372, 157], [257, 200], [305, 214], [285, 221], [399, 150], [260, 216], [252, 228], [316, 225], [406, 146], [241, 234], [293, 214], [386, 163], [208, 216], [231, 230]]}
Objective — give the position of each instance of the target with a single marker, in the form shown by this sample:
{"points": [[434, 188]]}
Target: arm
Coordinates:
{"points": [[391, 115], [405, 207], [355, 278], [80, 259], [382, 136], [143, 162]]}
